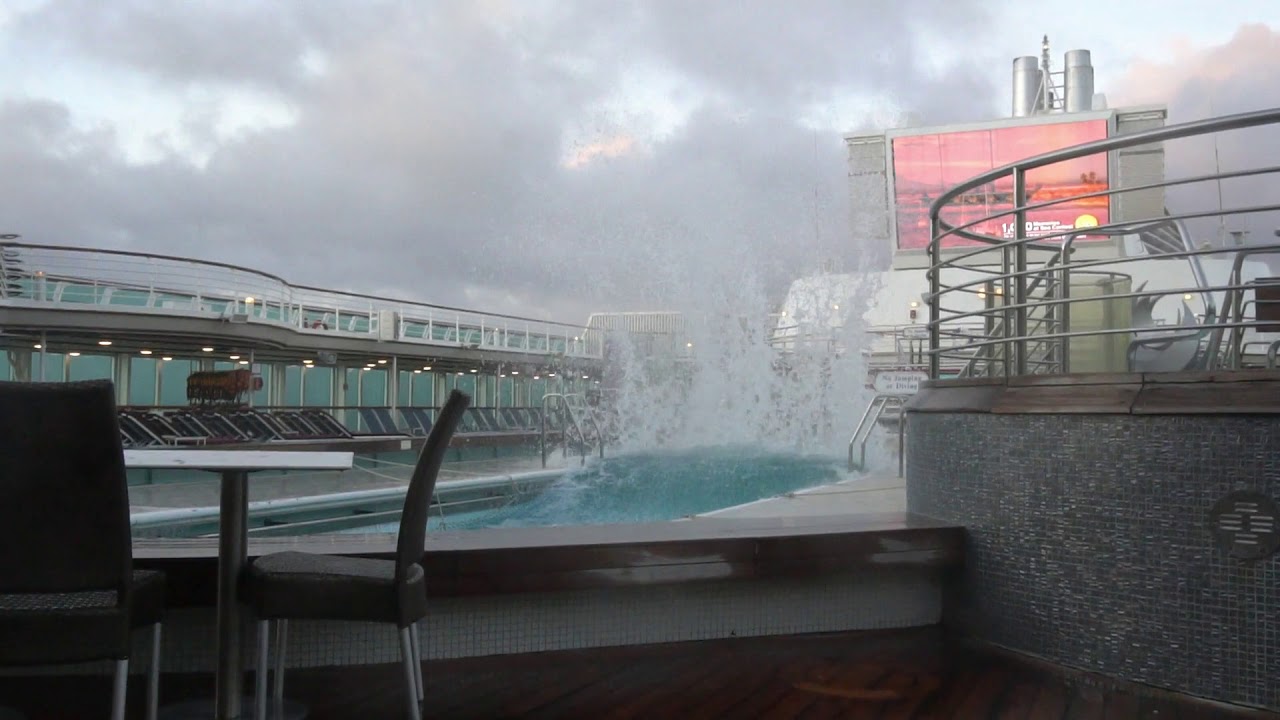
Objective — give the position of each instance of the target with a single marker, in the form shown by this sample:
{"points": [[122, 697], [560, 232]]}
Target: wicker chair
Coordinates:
{"points": [[286, 585], [68, 590]]}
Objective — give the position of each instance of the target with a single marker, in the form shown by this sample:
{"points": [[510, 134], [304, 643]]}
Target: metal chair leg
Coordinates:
{"points": [[410, 682], [118, 692], [153, 681], [417, 661], [282, 642], [260, 672]]}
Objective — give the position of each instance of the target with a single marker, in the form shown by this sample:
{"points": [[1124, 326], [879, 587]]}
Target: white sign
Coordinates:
{"points": [[899, 382]]}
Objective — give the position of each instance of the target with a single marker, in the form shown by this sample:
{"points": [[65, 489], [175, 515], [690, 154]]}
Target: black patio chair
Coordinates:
{"points": [[68, 590], [297, 585]]}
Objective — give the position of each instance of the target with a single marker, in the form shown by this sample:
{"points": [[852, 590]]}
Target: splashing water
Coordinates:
{"points": [[736, 386]]}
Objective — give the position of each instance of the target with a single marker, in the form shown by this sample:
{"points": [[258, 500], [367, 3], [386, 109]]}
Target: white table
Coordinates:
{"points": [[233, 537]]}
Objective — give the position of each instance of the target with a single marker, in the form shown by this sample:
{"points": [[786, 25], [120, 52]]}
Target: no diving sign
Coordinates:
{"points": [[898, 382]]}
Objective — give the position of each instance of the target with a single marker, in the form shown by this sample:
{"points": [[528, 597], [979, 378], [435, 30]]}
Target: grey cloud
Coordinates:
{"points": [[208, 40], [426, 161], [1220, 80]]}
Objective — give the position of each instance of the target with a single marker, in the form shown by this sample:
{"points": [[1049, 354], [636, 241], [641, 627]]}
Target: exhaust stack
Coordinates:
{"points": [[1028, 99], [1077, 81]]}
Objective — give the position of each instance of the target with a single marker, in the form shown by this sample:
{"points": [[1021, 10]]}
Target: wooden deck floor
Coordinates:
{"points": [[909, 674]]}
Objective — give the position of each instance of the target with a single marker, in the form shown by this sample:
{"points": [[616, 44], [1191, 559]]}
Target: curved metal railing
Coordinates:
{"points": [[121, 281], [1045, 307]]}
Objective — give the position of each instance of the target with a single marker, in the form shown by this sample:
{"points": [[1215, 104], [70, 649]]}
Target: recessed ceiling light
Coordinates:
{"points": [[104, 343], [74, 354], [417, 372], [206, 349], [37, 346], [244, 362], [234, 357], [166, 358], [515, 372], [382, 362], [426, 367], [144, 352]]}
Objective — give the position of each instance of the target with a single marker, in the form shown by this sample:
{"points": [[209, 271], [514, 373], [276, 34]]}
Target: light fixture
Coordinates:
{"points": [[784, 313], [835, 307], [537, 377], [515, 372], [473, 369], [551, 374], [426, 367], [74, 354], [37, 346], [502, 374], [1187, 296], [104, 343], [461, 373], [308, 361], [248, 299], [166, 358], [915, 304], [586, 377], [244, 362], [233, 357], [382, 362], [688, 344], [144, 352], [206, 349], [417, 372]]}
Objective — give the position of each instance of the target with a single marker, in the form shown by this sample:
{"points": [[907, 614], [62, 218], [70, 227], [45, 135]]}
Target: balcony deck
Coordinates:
{"points": [[888, 674]]}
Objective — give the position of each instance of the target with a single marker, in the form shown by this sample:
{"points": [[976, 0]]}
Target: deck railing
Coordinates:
{"points": [[124, 281], [1045, 307]]}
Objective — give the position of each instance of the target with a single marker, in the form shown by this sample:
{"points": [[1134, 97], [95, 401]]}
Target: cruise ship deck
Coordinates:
{"points": [[1071, 514]]}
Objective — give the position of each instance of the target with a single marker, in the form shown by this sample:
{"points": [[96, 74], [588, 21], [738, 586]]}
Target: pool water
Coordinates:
{"points": [[651, 486]]}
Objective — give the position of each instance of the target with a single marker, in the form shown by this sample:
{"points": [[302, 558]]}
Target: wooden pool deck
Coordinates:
{"points": [[883, 675]]}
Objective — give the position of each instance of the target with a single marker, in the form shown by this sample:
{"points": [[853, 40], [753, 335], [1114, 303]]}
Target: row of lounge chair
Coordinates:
{"points": [[206, 426], [417, 420]]}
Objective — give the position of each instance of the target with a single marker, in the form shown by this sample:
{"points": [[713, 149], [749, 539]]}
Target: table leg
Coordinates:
{"points": [[233, 542]]}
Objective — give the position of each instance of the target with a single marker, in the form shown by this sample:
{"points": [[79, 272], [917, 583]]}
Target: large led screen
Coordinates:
{"points": [[925, 166]]}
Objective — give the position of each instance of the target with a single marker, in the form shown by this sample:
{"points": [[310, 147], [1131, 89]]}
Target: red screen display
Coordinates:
{"points": [[925, 166]]}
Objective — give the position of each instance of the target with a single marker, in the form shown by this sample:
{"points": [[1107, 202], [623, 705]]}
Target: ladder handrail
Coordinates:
{"points": [[572, 418], [873, 412]]}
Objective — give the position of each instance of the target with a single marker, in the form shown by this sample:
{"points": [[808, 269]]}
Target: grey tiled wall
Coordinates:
{"points": [[1090, 542]]}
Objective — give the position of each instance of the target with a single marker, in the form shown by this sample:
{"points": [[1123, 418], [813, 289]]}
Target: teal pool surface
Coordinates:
{"points": [[648, 487]]}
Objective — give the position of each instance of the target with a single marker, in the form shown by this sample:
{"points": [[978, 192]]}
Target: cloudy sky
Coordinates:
{"points": [[530, 156]]}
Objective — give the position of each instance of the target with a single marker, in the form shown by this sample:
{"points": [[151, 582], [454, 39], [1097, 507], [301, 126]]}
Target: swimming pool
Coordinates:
{"points": [[647, 487]]}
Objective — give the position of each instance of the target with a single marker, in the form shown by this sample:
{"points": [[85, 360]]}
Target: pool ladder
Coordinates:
{"points": [[870, 419], [571, 405]]}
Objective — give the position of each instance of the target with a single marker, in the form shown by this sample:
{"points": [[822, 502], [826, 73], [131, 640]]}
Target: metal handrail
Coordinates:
{"points": [[568, 411], [211, 288], [1010, 321], [870, 419]]}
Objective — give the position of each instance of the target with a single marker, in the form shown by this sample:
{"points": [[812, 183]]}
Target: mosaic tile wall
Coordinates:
{"points": [[867, 599], [1090, 542]]}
